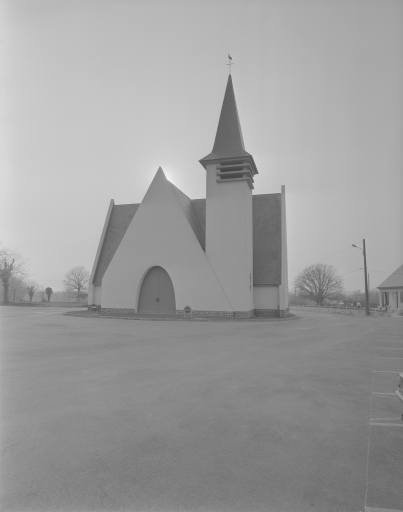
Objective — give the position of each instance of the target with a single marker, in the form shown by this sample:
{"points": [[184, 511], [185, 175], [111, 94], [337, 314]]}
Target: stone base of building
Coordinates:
{"points": [[117, 310], [221, 314], [272, 313]]}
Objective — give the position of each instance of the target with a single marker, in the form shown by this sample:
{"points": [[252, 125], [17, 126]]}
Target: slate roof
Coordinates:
{"points": [[120, 220], [267, 239], [395, 280], [229, 140], [266, 234]]}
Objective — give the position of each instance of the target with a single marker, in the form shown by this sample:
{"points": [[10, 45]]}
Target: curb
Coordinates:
{"points": [[194, 319]]}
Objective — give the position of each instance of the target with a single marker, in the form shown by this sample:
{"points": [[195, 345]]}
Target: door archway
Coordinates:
{"points": [[157, 293]]}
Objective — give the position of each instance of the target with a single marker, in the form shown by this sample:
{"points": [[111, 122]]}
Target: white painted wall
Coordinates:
{"points": [[394, 301], [229, 237], [283, 288], [160, 235], [266, 297], [96, 295], [91, 298]]}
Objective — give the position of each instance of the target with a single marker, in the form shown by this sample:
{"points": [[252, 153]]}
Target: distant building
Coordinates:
{"points": [[225, 255], [391, 290]]}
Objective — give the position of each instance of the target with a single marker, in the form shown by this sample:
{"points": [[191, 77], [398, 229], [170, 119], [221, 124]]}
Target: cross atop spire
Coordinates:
{"points": [[230, 63]]}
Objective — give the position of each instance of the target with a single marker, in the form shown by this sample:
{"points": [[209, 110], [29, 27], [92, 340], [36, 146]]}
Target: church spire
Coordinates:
{"points": [[229, 140]]}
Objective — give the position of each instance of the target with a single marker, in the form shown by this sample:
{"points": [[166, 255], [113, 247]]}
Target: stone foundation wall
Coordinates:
{"points": [[272, 313], [244, 314], [221, 314], [117, 310]]}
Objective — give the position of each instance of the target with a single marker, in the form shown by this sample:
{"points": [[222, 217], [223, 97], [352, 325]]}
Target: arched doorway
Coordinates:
{"points": [[157, 293]]}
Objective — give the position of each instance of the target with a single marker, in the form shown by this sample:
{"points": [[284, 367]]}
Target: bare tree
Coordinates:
{"points": [[76, 280], [319, 282], [31, 290], [49, 292], [12, 264], [17, 289]]}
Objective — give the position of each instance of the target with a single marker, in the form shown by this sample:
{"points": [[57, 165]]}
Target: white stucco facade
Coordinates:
{"points": [[225, 255], [283, 287], [95, 292], [392, 297], [229, 237], [159, 235], [266, 298]]}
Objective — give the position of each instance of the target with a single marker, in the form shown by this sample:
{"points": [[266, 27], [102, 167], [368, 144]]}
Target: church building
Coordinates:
{"points": [[225, 255]]}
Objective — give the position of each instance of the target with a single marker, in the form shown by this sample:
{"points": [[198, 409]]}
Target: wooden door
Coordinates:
{"points": [[157, 293], [166, 294]]}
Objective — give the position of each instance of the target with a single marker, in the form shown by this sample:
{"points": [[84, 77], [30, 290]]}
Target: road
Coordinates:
{"points": [[102, 414]]}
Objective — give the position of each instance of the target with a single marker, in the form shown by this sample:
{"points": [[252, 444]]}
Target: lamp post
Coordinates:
{"points": [[365, 275]]}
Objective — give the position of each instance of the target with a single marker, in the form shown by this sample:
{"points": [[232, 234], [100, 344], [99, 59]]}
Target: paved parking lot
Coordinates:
{"points": [[102, 414]]}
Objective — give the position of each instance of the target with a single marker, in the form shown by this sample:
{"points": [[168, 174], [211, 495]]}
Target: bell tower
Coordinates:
{"points": [[230, 172]]}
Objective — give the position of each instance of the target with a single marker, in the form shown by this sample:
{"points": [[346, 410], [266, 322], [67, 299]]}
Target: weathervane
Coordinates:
{"points": [[229, 63]]}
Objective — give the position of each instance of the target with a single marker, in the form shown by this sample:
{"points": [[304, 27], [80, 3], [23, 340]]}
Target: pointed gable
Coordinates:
{"points": [[185, 204], [229, 140], [122, 215], [166, 232]]}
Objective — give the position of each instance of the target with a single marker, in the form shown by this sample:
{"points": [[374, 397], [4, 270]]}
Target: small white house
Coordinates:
{"points": [[225, 255], [391, 291]]}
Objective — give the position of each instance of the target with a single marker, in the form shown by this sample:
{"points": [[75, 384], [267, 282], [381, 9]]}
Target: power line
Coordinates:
{"points": [[337, 253], [46, 279], [351, 272], [385, 272]]}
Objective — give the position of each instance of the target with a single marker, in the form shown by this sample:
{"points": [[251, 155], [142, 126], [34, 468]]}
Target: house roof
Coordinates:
{"points": [[228, 140], [395, 280], [266, 239], [266, 234]]}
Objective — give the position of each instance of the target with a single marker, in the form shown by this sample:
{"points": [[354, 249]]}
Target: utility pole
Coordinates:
{"points": [[366, 280], [366, 276]]}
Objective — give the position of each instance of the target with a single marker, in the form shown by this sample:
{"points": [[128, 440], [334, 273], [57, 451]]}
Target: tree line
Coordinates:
{"points": [[16, 283], [319, 282]]}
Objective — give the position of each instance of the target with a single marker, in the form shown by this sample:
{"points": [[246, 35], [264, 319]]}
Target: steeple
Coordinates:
{"points": [[229, 212], [228, 142]]}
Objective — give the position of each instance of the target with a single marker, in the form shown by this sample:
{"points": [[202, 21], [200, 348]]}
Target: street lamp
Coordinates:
{"points": [[365, 275]]}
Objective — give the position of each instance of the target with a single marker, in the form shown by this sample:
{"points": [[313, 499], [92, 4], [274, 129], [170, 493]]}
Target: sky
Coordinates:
{"points": [[96, 95]]}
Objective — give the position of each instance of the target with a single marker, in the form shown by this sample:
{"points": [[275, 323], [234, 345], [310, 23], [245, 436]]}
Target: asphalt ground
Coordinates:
{"points": [[288, 416]]}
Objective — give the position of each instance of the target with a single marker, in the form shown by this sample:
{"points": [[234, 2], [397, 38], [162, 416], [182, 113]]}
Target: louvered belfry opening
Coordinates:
{"points": [[236, 170]]}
